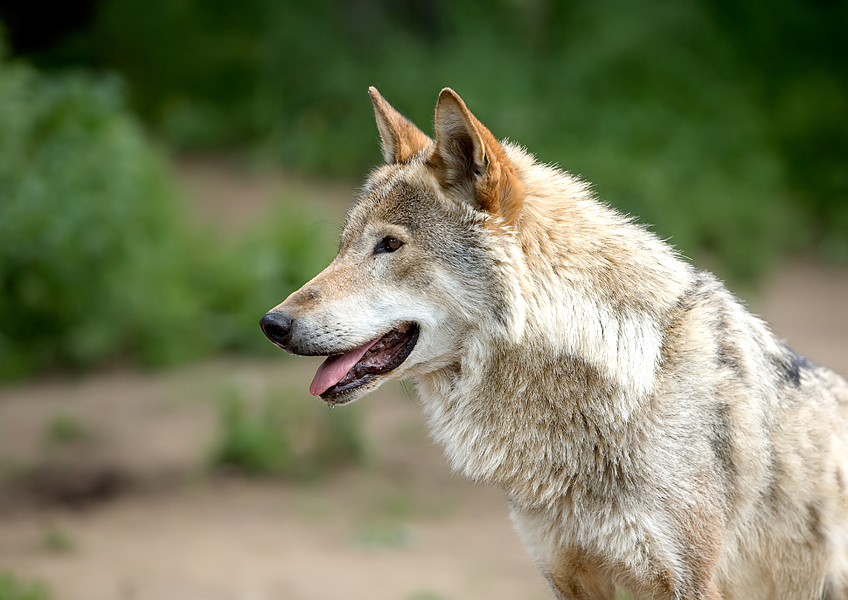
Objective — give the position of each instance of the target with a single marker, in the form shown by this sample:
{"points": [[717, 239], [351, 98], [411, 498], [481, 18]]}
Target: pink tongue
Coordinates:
{"points": [[335, 368]]}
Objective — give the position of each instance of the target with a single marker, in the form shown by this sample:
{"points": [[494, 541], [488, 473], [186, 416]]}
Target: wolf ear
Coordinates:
{"points": [[401, 139], [468, 156]]}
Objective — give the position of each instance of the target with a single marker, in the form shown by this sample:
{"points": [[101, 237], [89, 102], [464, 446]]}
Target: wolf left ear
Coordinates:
{"points": [[468, 156], [401, 139]]}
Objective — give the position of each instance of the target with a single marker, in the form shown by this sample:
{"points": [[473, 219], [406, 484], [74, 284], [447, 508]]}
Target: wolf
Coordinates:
{"points": [[648, 432]]}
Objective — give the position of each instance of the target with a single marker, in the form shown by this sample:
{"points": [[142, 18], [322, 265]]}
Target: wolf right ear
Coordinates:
{"points": [[401, 139], [468, 156]]}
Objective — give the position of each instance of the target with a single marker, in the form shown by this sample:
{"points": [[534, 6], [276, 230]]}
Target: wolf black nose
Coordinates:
{"points": [[277, 327]]}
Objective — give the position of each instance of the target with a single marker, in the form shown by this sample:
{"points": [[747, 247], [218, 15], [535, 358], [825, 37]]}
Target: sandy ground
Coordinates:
{"points": [[401, 527], [129, 511]]}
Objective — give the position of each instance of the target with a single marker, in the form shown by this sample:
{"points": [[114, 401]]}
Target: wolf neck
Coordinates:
{"points": [[589, 296], [588, 283]]}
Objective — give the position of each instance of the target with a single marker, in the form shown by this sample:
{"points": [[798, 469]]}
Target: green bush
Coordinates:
{"points": [[13, 588], [63, 429], [91, 254], [98, 261], [284, 436]]}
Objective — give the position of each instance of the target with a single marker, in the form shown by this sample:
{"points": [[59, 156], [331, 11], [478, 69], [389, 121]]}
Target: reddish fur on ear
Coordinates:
{"points": [[401, 139], [467, 152]]}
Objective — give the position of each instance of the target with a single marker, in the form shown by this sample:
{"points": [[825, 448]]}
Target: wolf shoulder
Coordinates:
{"points": [[713, 342], [770, 417]]}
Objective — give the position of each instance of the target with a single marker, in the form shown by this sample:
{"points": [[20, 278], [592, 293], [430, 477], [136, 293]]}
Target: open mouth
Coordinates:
{"points": [[342, 373]]}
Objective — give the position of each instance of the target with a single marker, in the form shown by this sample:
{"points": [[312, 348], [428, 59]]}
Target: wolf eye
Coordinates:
{"points": [[388, 244]]}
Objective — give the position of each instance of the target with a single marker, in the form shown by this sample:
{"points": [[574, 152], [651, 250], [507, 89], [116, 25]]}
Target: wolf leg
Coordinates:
{"points": [[581, 585]]}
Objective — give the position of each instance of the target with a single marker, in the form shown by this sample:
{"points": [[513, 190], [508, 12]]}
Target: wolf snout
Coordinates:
{"points": [[277, 327]]}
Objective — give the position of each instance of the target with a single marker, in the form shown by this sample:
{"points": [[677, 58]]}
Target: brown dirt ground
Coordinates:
{"points": [[129, 512]]}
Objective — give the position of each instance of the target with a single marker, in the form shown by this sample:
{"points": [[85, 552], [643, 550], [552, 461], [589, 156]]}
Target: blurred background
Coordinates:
{"points": [[171, 169]]}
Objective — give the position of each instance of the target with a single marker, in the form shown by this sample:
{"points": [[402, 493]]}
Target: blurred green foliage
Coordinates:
{"points": [[64, 428], [15, 588], [90, 252], [98, 261], [58, 540], [721, 123], [285, 437]]}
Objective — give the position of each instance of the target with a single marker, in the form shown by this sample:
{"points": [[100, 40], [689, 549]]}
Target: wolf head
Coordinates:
{"points": [[415, 270], [465, 256]]}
